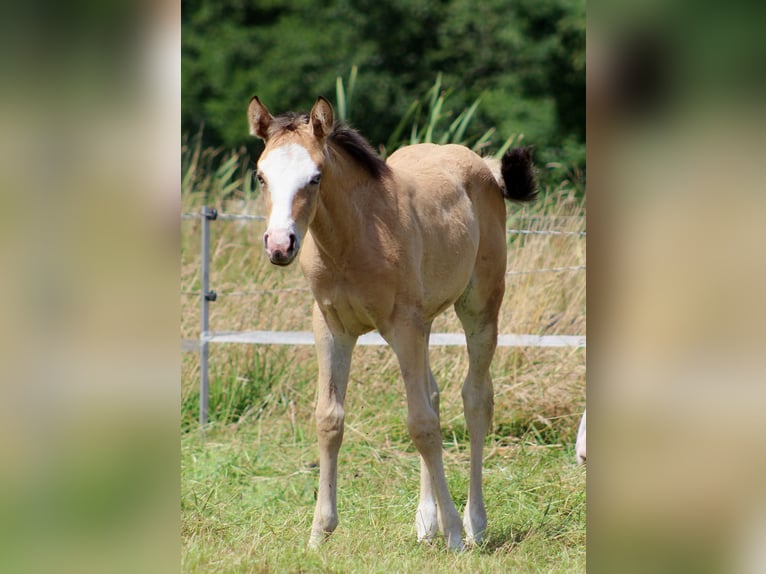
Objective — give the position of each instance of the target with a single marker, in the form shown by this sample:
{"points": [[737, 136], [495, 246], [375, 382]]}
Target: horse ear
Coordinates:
{"points": [[259, 118], [322, 118]]}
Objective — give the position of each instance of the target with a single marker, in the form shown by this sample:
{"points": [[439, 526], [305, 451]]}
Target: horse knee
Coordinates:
{"points": [[424, 429], [329, 421]]}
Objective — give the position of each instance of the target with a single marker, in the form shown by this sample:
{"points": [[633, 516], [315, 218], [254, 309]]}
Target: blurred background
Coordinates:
{"points": [[522, 61], [90, 134], [91, 128], [676, 377], [488, 75]]}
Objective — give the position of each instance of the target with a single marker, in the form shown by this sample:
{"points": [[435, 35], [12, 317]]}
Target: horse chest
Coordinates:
{"points": [[355, 299], [347, 312]]}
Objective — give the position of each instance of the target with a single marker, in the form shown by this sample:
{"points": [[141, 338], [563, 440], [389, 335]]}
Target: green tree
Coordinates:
{"points": [[524, 58]]}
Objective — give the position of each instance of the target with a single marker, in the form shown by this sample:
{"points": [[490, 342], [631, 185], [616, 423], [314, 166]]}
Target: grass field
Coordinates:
{"points": [[248, 481]]}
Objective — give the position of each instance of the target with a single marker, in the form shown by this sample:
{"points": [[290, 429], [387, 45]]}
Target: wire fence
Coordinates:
{"points": [[207, 296], [226, 216], [255, 292], [544, 232], [510, 231], [549, 270], [249, 217]]}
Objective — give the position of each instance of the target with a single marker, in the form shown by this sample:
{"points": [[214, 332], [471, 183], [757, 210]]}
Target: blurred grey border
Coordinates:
{"points": [[90, 136], [89, 211], [676, 269]]}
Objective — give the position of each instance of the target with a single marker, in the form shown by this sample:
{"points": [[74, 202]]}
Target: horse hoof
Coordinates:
{"points": [[474, 540], [317, 539]]}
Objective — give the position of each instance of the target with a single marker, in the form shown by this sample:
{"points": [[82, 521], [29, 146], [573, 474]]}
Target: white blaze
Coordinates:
{"points": [[286, 169]]}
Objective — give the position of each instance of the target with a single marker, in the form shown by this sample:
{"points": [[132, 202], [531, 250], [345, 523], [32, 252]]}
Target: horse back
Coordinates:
{"points": [[459, 217], [438, 171], [450, 184]]}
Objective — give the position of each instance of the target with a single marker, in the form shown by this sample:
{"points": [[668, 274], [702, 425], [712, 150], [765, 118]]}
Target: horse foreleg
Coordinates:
{"points": [[334, 358], [410, 344], [426, 523]]}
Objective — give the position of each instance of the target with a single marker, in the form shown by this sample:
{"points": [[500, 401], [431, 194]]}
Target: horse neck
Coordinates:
{"points": [[346, 194]]}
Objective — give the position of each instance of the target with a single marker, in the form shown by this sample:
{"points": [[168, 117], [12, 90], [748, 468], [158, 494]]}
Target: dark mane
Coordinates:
{"points": [[355, 146], [342, 138]]}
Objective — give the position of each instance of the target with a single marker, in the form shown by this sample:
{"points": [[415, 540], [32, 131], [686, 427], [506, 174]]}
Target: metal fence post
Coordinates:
{"points": [[208, 214]]}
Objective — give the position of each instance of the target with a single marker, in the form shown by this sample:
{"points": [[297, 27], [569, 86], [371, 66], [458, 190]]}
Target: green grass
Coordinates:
{"points": [[248, 482], [248, 497]]}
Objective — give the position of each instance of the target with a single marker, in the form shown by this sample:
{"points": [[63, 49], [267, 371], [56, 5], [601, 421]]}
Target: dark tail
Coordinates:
{"points": [[518, 173]]}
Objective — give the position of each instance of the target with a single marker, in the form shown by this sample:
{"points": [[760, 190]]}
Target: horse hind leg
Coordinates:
{"points": [[479, 319], [426, 520]]}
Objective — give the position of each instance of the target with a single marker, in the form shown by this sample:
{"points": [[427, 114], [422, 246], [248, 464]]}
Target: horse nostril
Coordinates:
{"points": [[292, 242]]}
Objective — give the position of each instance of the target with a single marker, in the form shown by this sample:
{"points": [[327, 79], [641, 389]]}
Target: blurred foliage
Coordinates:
{"points": [[522, 60]]}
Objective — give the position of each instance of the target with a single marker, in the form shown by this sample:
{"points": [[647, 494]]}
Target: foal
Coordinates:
{"points": [[392, 245]]}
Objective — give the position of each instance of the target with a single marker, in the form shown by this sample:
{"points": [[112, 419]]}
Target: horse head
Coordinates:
{"points": [[290, 171]]}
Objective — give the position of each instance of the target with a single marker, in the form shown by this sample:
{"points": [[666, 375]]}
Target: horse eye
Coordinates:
{"points": [[260, 179], [316, 179]]}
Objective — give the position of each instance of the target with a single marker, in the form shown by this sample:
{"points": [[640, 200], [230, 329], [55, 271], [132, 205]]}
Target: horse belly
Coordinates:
{"points": [[450, 246], [439, 179]]}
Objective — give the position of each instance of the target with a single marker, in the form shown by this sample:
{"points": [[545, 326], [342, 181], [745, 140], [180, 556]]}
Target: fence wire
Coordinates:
{"points": [[307, 290], [549, 270], [248, 217], [252, 292], [544, 232], [226, 216]]}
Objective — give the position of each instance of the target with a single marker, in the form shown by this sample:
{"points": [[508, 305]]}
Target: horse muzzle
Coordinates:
{"points": [[281, 246]]}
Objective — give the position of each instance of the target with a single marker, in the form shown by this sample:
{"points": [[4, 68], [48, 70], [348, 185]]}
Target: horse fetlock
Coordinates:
{"points": [[454, 540], [475, 523], [324, 524], [426, 523], [449, 522], [318, 537]]}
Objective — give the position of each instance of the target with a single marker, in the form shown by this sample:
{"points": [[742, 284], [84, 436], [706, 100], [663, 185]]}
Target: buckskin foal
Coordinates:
{"points": [[389, 246]]}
